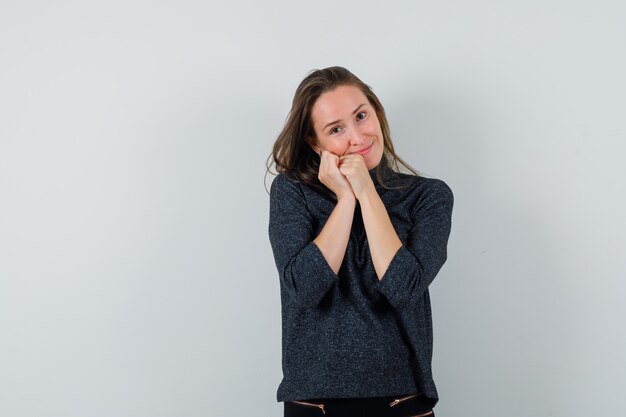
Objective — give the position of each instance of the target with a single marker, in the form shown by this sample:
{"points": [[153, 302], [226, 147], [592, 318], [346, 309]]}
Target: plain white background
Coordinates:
{"points": [[136, 276]]}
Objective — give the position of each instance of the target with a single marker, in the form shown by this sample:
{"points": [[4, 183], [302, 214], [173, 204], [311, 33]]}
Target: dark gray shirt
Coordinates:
{"points": [[349, 335]]}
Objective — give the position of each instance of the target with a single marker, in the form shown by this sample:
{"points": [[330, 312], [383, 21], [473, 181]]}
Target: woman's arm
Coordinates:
{"points": [[333, 239], [404, 269], [303, 270], [382, 238], [308, 264], [417, 263]]}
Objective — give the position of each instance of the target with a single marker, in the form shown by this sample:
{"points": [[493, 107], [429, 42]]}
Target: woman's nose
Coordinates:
{"points": [[356, 138]]}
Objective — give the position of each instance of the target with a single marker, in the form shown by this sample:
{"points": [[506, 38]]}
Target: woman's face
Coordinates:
{"points": [[345, 123]]}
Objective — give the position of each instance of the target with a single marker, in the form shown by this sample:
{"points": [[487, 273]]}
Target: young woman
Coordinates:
{"points": [[356, 243]]}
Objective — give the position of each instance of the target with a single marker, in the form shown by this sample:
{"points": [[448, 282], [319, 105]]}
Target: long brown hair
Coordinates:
{"points": [[292, 154]]}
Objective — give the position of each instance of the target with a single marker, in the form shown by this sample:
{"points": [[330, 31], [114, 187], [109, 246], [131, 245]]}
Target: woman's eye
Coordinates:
{"points": [[335, 130], [361, 115]]}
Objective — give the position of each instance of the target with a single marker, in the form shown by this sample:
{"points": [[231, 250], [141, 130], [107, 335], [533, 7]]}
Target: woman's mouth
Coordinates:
{"points": [[364, 151]]}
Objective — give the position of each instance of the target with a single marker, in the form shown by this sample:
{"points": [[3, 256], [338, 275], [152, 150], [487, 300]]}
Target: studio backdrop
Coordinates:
{"points": [[136, 274]]}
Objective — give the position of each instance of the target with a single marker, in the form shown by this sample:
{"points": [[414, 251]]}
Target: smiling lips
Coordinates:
{"points": [[364, 150]]}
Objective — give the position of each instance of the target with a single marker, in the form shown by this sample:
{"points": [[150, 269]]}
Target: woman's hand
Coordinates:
{"points": [[330, 176], [354, 168], [383, 241]]}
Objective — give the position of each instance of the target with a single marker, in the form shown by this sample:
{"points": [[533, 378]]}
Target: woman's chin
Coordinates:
{"points": [[373, 164]]}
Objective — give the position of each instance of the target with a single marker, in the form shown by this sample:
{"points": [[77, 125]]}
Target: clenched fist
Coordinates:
{"points": [[353, 167]]}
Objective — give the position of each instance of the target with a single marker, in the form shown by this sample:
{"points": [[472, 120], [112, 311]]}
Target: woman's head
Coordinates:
{"points": [[334, 110], [345, 122]]}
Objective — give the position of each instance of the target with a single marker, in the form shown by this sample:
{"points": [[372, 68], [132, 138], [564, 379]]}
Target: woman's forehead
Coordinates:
{"points": [[338, 103]]}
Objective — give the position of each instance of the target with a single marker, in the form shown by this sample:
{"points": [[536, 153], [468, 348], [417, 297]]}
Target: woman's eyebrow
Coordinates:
{"points": [[337, 121]]}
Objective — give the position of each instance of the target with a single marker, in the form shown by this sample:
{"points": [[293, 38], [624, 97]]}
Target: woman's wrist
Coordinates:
{"points": [[347, 198], [368, 194]]}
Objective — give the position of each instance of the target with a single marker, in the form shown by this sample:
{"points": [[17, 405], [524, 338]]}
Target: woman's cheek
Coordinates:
{"points": [[340, 149]]}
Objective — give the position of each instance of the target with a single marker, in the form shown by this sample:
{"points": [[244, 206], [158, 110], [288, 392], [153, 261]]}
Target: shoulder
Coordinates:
{"points": [[429, 193], [283, 182], [421, 184], [289, 183], [438, 189], [286, 191]]}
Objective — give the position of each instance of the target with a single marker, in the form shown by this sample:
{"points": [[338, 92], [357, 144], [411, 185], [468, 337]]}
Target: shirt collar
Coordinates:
{"points": [[386, 173]]}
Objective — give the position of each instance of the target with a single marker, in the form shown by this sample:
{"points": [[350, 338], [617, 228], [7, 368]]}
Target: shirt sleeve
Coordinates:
{"points": [[302, 268], [417, 262]]}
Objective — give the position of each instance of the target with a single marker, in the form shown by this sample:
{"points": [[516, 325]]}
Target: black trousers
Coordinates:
{"points": [[393, 406]]}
